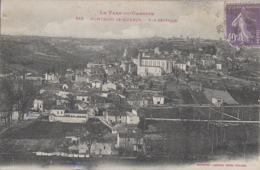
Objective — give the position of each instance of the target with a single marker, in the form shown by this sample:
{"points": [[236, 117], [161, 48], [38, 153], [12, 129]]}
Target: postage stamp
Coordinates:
{"points": [[243, 24]]}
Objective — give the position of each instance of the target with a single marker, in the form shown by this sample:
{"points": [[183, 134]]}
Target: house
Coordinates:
{"points": [[125, 66], [114, 116], [217, 101], [180, 65], [49, 76], [158, 99], [38, 105], [58, 111], [84, 96], [132, 118], [71, 116], [64, 87], [191, 63], [102, 93], [100, 146], [96, 84], [137, 100], [219, 66], [108, 86], [130, 141], [208, 62], [157, 51]]}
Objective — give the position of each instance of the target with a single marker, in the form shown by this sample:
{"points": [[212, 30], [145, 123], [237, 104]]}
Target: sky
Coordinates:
{"points": [[57, 18]]}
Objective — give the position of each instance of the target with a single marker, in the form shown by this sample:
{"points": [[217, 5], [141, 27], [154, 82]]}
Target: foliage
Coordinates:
{"points": [[17, 94], [143, 125]]}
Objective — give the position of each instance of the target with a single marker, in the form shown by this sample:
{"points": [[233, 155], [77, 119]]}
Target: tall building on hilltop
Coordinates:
{"points": [[147, 66]]}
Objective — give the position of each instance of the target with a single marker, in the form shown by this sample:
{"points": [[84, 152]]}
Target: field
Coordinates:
{"points": [[52, 130]]}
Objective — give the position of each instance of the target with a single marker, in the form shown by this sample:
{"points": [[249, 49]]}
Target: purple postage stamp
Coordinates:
{"points": [[243, 24]]}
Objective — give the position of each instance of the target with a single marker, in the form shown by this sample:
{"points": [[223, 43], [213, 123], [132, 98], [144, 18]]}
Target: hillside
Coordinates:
{"points": [[43, 54]]}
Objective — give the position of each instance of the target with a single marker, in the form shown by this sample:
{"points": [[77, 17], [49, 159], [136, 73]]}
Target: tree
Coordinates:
{"points": [[89, 139], [8, 97], [143, 125], [26, 94]]}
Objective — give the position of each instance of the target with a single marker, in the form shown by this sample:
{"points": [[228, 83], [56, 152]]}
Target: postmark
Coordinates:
{"points": [[243, 24]]}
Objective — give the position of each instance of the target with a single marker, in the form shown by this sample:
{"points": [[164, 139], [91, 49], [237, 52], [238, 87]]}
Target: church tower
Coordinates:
{"points": [[139, 59]]}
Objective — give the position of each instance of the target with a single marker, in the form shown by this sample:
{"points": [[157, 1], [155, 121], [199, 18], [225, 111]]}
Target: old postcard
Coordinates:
{"points": [[129, 84]]}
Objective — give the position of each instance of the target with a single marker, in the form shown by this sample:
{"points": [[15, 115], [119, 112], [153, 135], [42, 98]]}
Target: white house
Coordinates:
{"points": [[96, 84], [208, 62], [219, 66], [64, 87], [49, 77], [132, 118], [158, 99], [108, 86], [38, 105], [84, 97], [157, 51], [58, 111], [114, 116], [217, 101], [70, 116], [181, 66]]}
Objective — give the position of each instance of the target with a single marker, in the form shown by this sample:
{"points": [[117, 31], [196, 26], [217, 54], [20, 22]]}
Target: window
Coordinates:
{"points": [[57, 112], [104, 147], [150, 63], [154, 63]]}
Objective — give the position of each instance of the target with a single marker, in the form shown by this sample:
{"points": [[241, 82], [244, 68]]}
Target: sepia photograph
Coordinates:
{"points": [[134, 84]]}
